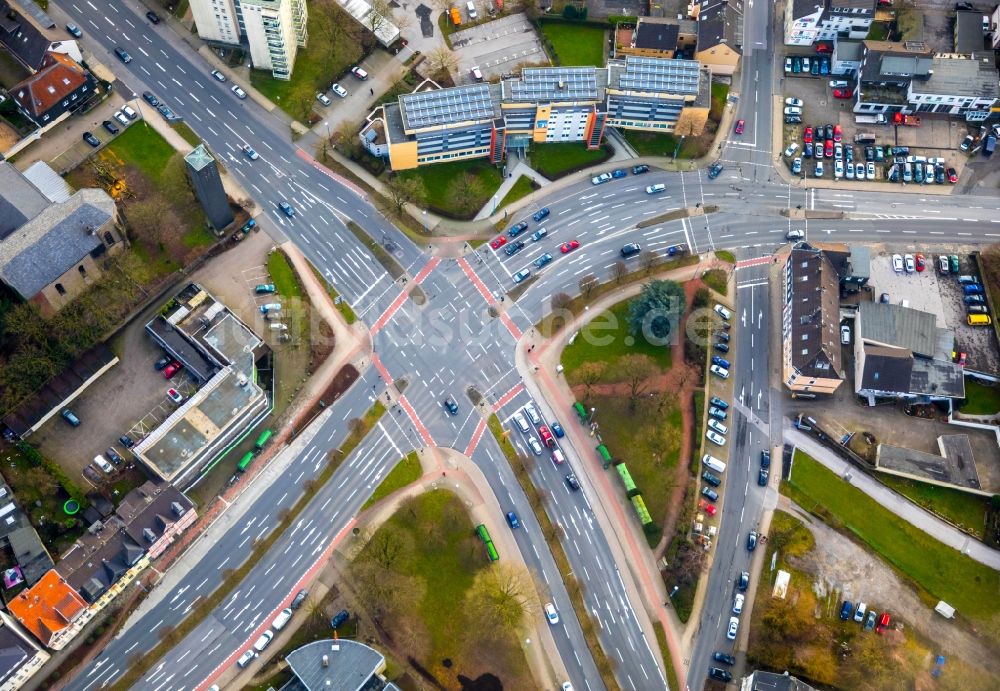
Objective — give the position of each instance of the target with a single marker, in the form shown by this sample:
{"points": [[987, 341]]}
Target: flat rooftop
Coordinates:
{"points": [[955, 465]]}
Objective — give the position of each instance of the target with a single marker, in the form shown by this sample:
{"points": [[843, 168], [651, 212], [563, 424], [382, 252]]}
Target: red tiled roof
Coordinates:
{"points": [[43, 90], [47, 607]]}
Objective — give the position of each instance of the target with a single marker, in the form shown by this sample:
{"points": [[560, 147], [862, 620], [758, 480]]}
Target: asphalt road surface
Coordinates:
{"points": [[453, 343]]}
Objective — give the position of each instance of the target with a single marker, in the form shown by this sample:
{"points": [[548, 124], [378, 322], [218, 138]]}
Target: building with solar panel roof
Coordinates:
{"points": [[544, 104]]}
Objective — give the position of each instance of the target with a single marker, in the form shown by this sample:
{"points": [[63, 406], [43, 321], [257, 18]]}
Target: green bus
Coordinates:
{"points": [[640, 508], [484, 535], [245, 462], [626, 477], [262, 439], [605, 455]]}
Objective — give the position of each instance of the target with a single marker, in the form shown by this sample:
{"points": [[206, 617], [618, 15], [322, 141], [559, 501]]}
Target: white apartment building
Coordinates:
{"points": [[808, 21], [273, 29], [216, 20]]}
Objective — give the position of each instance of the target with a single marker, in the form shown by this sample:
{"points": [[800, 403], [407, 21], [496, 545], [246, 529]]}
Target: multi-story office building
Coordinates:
{"points": [[272, 29], [808, 21], [549, 104]]}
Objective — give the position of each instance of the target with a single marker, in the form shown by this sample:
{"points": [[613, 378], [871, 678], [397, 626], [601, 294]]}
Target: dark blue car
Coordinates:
{"points": [[721, 362], [541, 213], [846, 610], [339, 618], [619, 173], [517, 229], [512, 520]]}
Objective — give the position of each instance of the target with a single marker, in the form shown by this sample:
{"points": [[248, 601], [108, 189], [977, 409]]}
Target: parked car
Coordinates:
{"points": [[218, 76], [600, 179], [910, 263], [362, 75], [240, 93], [897, 263], [719, 674], [734, 625], [70, 417], [339, 619], [740, 124], [339, 90], [91, 139], [846, 609], [110, 126], [175, 396], [709, 494], [324, 99], [716, 439], [640, 169], [762, 476], [153, 17], [723, 658], [718, 403], [74, 30], [752, 541], [743, 580]]}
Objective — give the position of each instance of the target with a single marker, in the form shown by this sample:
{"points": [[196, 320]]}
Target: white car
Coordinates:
{"points": [[218, 75], [551, 614], [797, 102], [720, 372], [838, 84], [240, 93], [792, 148], [521, 275], [129, 113], [263, 641], [838, 151], [870, 172], [339, 90], [477, 74], [359, 73], [734, 625], [250, 153], [897, 263], [529, 410], [120, 117], [323, 98], [819, 169], [715, 438], [723, 312], [850, 171], [246, 658], [838, 169], [845, 334], [738, 603], [718, 427], [536, 446], [600, 179], [910, 266]]}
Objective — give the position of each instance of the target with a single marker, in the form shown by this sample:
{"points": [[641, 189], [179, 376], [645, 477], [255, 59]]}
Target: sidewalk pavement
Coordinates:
{"points": [[521, 169], [891, 500], [551, 390]]}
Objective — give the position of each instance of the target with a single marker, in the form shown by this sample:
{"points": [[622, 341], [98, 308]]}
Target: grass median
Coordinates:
{"points": [[938, 571], [406, 472], [231, 578], [551, 533]]}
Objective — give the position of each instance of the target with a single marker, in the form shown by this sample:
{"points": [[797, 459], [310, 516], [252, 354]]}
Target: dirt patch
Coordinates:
{"points": [[845, 571], [343, 380]]}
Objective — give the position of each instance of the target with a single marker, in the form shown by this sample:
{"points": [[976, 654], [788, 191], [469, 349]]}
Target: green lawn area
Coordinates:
{"points": [[879, 31], [980, 399], [406, 472], [967, 510], [555, 160], [726, 256], [576, 44], [187, 133], [716, 279], [332, 49], [142, 147], [449, 191], [521, 188], [283, 276], [607, 339], [938, 570], [442, 552], [656, 143]]}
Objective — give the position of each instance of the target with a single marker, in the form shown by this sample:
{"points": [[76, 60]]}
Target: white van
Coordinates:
{"points": [[656, 189], [471, 7], [713, 463], [103, 464], [279, 621], [557, 457]]}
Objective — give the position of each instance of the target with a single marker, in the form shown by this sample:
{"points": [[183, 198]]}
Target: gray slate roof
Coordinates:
{"points": [[898, 326], [14, 652], [351, 665], [815, 305], [54, 241], [887, 370], [22, 38], [20, 200]]}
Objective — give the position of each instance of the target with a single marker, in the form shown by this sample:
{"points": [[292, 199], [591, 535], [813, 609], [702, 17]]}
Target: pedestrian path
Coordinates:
{"points": [[898, 504], [520, 169]]}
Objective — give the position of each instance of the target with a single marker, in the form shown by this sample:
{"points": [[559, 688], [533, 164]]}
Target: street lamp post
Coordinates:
{"points": [[592, 412]]}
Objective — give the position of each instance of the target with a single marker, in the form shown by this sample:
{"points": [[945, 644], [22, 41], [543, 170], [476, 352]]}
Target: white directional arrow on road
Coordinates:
{"points": [[743, 319]]}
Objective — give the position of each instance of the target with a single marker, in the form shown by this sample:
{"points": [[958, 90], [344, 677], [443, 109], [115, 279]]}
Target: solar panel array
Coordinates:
{"points": [[556, 83], [660, 75], [447, 105]]}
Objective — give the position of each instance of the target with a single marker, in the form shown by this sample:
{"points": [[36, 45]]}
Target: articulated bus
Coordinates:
{"points": [[245, 462], [484, 535]]}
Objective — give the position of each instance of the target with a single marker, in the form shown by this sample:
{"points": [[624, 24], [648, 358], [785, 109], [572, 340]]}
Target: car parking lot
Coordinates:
{"points": [[497, 47], [935, 141], [941, 295]]}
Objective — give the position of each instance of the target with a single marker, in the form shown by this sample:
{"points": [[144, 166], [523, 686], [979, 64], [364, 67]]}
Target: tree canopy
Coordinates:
{"points": [[655, 310]]}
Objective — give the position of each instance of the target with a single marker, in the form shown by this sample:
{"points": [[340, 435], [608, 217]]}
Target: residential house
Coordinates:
{"points": [[659, 37], [20, 657], [99, 559], [23, 38], [720, 34], [810, 325], [155, 513], [51, 251], [809, 21], [51, 610], [61, 87], [846, 58], [910, 78], [17, 533]]}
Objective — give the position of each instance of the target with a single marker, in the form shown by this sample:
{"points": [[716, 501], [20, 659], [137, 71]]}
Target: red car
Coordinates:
{"points": [[824, 47], [546, 436], [952, 175], [843, 93], [807, 135], [920, 262], [568, 247], [883, 623], [739, 126], [958, 358], [170, 370], [706, 507], [828, 148], [499, 242], [838, 133]]}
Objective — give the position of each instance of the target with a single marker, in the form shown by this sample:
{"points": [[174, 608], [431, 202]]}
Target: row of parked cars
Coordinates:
{"points": [[123, 117], [849, 611], [617, 174], [816, 65]]}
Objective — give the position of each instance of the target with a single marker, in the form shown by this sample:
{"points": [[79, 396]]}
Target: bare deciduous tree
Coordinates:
{"points": [[403, 191], [502, 597], [590, 373], [588, 284], [441, 59], [648, 260], [619, 271], [638, 370]]}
